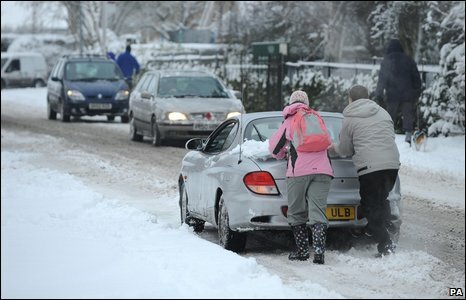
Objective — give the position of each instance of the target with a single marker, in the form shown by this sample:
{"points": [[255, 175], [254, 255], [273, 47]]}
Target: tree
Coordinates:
{"points": [[443, 104]]}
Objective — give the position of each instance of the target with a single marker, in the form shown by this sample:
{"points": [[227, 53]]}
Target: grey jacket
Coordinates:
{"points": [[368, 135]]}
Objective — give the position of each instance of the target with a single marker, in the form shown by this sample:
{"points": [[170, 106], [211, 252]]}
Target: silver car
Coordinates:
{"points": [[231, 181], [171, 104]]}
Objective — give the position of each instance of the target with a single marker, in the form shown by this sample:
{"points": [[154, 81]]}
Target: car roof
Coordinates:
{"points": [[190, 73], [246, 118], [80, 58]]}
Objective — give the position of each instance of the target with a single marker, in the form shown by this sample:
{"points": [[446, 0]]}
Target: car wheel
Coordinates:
{"points": [[110, 118], [64, 116], [156, 141], [198, 225], [124, 119], [51, 114], [38, 83], [229, 239], [133, 133]]}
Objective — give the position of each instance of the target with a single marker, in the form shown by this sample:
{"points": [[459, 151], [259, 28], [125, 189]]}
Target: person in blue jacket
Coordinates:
{"points": [[128, 65]]}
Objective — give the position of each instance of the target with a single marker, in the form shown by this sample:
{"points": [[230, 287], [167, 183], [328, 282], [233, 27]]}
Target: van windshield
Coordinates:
{"points": [[186, 86], [91, 71]]}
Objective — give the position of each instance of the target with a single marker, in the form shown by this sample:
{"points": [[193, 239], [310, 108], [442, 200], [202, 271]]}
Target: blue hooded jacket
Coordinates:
{"points": [[128, 64]]}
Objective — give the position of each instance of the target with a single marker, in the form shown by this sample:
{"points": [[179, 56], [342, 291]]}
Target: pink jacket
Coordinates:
{"points": [[299, 163]]}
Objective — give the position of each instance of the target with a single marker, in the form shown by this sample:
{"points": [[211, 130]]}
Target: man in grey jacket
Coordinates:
{"points": [[368, 135]]}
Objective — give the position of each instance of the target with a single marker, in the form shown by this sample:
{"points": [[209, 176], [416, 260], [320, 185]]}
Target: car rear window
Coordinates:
{"points": [[185, 86], [263, 129], [90, 71]]}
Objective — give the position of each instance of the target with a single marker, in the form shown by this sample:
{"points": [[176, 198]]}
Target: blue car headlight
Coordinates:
{"points": [[75, 95], [122, 95]]}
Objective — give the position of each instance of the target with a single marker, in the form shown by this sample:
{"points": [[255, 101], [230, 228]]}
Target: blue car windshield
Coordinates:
{"points": [[92, 71], [186, 86], [263, 129]]}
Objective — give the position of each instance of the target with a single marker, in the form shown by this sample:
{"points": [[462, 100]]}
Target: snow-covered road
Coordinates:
{"points": [[87, 213]]}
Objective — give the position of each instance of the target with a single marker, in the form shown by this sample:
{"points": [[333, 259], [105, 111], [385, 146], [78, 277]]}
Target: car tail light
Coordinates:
{"points": [[261, 183]]}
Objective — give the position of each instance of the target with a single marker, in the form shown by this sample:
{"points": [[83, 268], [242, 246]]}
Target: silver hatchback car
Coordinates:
{"points": [[171, 104], [231, 181]]}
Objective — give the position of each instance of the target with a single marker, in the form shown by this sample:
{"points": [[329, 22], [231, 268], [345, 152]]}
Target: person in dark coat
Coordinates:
{"points": [[400, 80], [128, 65], [368, 135]]}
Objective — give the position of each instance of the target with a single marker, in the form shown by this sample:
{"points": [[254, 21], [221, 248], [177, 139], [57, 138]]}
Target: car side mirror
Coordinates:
{"points": [[146, 95], [54, 78], [194, 144]]}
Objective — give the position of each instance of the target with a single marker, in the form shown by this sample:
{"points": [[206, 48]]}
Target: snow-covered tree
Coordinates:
{"points": [[443, 104]]}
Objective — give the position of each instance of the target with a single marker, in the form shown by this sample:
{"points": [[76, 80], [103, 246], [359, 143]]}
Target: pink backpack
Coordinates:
{"points": [[308, 131]]}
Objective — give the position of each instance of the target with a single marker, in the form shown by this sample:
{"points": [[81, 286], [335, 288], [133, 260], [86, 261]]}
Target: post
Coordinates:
{"points": [[104, 27], [80, 30]]}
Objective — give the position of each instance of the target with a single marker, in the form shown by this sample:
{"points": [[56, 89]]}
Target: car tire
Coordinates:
{"points": [[51, 114], [229, 239], [38, 83], [124, 119], [133, 133], [64, 117], [156, 140], [198, 225], [110, 118]]}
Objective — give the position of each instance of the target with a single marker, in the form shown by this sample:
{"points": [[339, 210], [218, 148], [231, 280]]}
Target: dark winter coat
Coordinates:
{"points": [[128, 64], [398, 76]]}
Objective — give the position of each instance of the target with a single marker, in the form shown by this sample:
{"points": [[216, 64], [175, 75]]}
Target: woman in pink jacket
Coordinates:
{"points": [[309, 175]]}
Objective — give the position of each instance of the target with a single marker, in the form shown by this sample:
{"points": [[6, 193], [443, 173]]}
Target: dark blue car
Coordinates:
{"points": [[87, 86]]}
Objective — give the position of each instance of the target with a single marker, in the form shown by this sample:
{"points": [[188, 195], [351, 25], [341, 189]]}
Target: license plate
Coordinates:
{"points": [[340, 213], [100, 106], [204, 126]]}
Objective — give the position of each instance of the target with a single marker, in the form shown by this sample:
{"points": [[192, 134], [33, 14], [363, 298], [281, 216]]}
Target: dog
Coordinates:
{"points": [[420, 139]]}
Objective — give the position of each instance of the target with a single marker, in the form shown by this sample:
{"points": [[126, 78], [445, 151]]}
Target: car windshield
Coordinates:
{"points": [[263, 129], [91, 71], [184, 86]]}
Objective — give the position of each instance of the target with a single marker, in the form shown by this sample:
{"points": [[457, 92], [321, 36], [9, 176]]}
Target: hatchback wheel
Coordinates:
{"points": [[38, 83], [124, 119], [198, 225], [64, 116], [156, 140], [229, 239], [51, 114], [133, 133]]}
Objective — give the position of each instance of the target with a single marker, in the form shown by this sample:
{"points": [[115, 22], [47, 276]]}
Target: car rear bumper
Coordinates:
{"points": [[250, 212]]}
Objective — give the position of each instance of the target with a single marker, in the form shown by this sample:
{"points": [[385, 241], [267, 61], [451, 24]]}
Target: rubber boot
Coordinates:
{"points": [[301, 238], [319, 237]]}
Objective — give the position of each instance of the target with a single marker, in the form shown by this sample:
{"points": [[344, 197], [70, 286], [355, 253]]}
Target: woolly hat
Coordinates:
{"points": [[299, 96]]}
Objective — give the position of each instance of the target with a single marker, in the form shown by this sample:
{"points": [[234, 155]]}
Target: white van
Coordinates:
{"points": [[23, 69]]}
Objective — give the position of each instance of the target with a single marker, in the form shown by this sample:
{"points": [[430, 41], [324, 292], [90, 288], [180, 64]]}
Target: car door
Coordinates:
{"points": [[54, 85], [136, 102], [209, 165], [12, 72]]}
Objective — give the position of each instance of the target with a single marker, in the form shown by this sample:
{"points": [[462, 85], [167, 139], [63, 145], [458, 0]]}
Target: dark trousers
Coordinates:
{"points": [[407, 109], [374, 189]]}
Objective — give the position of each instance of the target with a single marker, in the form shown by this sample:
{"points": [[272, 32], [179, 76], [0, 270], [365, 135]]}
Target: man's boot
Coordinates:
{"points": [[301, 238], [408, 137], [319, 237]]}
